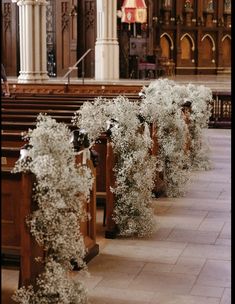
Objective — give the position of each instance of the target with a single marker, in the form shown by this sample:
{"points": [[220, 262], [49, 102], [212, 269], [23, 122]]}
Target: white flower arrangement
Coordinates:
{"points": [[161, 105], [135, 168], [200, 98], [61, 188]]}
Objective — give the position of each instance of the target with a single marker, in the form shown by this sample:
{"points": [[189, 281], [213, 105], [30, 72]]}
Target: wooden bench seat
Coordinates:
{"points": [[41, 106], [37, 111], [25, 125], [32, 117]]}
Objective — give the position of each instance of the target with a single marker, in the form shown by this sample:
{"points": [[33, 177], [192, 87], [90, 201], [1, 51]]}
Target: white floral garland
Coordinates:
{"points": [[200, 98], [60, 191], [161, 104], [135, 168]]}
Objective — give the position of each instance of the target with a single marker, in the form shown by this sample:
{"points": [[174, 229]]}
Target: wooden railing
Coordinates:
{"points": [[221, 110], [74, 67]]}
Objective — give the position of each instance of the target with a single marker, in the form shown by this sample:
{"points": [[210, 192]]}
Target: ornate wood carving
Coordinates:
{"points": [[75, 27], [86, 35], [90, 14], [9, 37], [66, 35]]}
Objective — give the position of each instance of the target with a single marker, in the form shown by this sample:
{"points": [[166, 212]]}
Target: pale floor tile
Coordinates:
{"points": [[203, 194], [226, 242], [207, 291], [189, 265], [160, 209], [116, 294], [211, 225], [224, 215], [101, 300], [226, 298], [162, 244], [213, 177], [226, 231], [119, 280], [226, 180], [221, 185], [208, 251], [89, 281], [204, 205], [224, 195], [157, 254], [169, 298], [183, 218], [215, 273], [162, 232], [193, 236], [103, 264], [163, 282], [157, 267], [148, 242]]}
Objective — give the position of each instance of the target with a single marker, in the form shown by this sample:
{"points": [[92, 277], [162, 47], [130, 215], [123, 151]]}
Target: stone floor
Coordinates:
{"points": [[187, 260]]}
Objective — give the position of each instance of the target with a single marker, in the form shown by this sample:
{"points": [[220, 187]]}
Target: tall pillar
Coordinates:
{"points": [[32, 27], [106, 46]]}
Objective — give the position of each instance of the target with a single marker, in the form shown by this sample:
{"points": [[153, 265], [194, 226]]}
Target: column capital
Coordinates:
{"points": [[30, 2]]}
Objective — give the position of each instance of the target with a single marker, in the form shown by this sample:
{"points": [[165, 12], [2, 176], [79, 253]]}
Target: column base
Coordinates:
{"points": [[25, 77], [107, 60]]}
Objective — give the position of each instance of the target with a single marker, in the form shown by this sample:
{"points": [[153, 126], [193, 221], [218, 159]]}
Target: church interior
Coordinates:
{"points": [[125, 83]]}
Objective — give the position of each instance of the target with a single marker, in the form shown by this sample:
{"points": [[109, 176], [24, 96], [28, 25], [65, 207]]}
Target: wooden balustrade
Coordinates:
{"points": [[221, 110]]}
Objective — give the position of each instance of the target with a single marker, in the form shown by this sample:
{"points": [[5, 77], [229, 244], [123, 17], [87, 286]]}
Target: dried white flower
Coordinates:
{"points": [[61, 190]]}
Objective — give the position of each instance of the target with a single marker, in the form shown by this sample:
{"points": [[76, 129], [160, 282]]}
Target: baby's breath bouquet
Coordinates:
{"points": [[161, 105], [200, 98], [134, 169], [61, 188]]}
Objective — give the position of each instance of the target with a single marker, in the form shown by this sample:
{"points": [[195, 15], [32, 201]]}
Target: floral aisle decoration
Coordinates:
{"points": [[161, 105], [135, 168], [61, 188], [200, 98]]}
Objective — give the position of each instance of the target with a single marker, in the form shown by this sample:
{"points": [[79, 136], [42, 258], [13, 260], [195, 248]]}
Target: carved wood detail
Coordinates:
{"points": [[75, 27]]}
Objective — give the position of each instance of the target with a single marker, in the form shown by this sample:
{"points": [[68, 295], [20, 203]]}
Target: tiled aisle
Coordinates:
{"points": [[187, 261]]}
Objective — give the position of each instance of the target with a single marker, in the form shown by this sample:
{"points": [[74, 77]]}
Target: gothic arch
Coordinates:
{"points": [[226, 36], [169, 37], [186, 48], [212, 40], [226, 50], [190, 37]]}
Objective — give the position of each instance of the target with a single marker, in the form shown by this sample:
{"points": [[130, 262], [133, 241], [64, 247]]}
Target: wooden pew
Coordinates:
{"points": [[17, 242], [14, 123]]}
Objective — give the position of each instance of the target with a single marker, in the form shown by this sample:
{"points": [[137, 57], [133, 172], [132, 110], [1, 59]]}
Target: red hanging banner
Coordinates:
{"points": [[134, 11]]}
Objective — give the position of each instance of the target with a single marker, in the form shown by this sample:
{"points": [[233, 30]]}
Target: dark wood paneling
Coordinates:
{"points": [[86, 35], [9, 37], [11, 199], [66, 35], [76, 33]]}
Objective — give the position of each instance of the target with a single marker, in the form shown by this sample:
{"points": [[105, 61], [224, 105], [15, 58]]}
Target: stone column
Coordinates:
{"points": [[106, 46], [32, 27]]}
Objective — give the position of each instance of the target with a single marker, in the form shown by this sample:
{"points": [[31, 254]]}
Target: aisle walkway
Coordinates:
{"points": [[188, 259]]}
